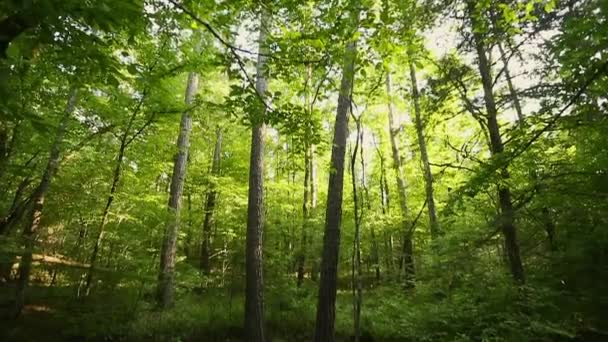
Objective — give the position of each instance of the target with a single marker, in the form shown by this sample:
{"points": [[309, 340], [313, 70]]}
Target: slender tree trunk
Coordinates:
{"points": [[549, 228], [124, 142], [428, 175], [165, 294], [356, 253], [314, 267], [210, 204], [368, 204], [326, 307], [507, 215], [305, 218], [255, 329], [407, 258], [32, 226], [385, 203]]}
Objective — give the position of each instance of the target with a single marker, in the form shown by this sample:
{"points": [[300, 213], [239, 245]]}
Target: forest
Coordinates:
{"points": [[297, 170]]}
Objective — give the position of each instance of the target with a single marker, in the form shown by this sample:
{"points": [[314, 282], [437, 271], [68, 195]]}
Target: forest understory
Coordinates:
{"points": [[287, 170]]}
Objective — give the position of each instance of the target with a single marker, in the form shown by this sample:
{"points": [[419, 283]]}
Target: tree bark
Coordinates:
{"points": [[326, 307], [507, 215], [255, 329], [210, 204], [32, 226], [407, 258], [305, 217], [428, 175], [165, 295], [356, 253]]}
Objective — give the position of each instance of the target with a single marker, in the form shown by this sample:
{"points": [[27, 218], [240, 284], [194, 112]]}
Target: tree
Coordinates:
{"points": [[407, 257], [254, 292], [34, 221], [507, 215], [424, 156], [165, 294], [210, 204], [326, 310]]}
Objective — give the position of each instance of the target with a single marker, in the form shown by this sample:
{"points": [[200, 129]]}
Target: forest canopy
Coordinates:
{"points": [[344, 170]]}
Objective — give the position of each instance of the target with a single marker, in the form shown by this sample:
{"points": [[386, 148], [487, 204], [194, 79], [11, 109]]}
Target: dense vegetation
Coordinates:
{"points": [[388, 170]]}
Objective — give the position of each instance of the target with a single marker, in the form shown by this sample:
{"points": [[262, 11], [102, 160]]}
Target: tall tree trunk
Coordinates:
{"points": [[356, 253], [32, 226], [407, 258], [255, 329], [314, 267], [326, 307], [428, 175], [165, 294], [106, 211], [210, 204], [305, 217], [368, 205], [385, 203], [507, 215]]}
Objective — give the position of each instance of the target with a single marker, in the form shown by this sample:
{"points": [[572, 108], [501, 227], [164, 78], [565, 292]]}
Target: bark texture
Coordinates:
{"points": [[165, 294], [326, 307], [255, 327], [305, 218]]}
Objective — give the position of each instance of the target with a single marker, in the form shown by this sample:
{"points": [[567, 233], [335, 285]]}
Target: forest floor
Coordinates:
{"points": [[54, 314], [129, 314]]}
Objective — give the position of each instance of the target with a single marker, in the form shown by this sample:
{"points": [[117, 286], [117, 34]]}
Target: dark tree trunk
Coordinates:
{"points": [[314, 267], [549, 228], [356, 253], [507, 216], [305, 218], [326, 307], [210, 204], [165, 292], [255, 329], [32, 226], [124, 143]]}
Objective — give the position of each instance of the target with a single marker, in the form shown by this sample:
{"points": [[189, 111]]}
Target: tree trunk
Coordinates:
{"points": [[255, 329], [210, 204], [32, 226], [326, 307], [428, 175], [106, 211], [507, 217], [305, 217], [407, 246], [368, 204], [165, 294], [314, 267], [356, 253]]}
